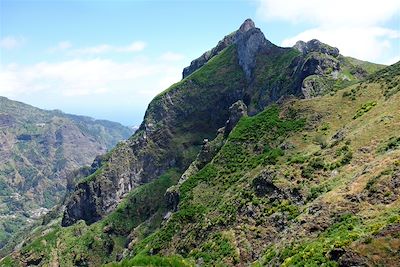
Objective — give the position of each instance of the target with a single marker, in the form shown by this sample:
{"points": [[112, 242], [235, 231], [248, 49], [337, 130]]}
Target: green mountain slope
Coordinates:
{"points": [[249, 68], [286, 175], [311, 182], [38, 150]]}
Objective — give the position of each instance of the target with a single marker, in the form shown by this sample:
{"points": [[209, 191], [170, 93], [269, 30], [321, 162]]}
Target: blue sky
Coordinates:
{"points": [[108, 59]]}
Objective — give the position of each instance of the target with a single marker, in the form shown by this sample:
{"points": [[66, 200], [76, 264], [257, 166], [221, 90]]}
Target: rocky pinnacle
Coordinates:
{"points": [[249, 41]]}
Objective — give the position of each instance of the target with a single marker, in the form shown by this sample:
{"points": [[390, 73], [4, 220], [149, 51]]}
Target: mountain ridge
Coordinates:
{"points": [[39, 149], [163, 117], [246, 162]]}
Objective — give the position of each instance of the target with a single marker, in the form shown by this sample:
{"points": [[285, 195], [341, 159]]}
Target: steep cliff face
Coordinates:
{"points": [[170, 136], [243, 66]]}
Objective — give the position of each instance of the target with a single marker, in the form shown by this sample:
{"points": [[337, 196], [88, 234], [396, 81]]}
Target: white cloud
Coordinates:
{"points": [[11, 42], [327, 12], [98, 49], [87, 77], [61, 46], [64, 45], [133, 47], [356, 27], [369, 43], [106, 48], [171, 56]]}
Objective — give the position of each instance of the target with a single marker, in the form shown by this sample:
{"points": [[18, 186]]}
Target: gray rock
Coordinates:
{"points": [[172, 198], [247, 25], [249, 41], [316, 46], [248, 45], [339, 135], [236, 111], [263, 184]]}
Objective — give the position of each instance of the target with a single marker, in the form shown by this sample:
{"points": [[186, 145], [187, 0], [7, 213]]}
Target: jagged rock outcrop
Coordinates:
{"points": [[124, 169], [315, 45], [249, 41], [323, 68], [236, 111]]}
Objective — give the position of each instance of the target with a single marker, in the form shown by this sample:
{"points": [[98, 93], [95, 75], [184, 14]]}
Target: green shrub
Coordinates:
{"points": [[364, 109], [215, 250], [297, 159], [307, 172], [317, 163], [144, 260], [392, 144], [320, 140]]}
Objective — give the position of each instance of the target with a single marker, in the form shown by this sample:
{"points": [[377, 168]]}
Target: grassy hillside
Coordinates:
{"points": [[309, 182], [313, 182]]}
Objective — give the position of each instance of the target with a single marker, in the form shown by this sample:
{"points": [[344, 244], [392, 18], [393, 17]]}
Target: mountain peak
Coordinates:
{"points": [[247, 25], [249, 40]]}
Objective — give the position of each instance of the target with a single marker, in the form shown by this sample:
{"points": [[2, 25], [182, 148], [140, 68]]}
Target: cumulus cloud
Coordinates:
{"points": [[106, 48], [370, 43], [11, 42], [133, 47], [326, 12], [356, 27], [85, 77], [61, 46]]}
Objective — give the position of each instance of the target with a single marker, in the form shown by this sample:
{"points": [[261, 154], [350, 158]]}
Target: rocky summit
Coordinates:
{"points": [[248, 40], [261, 155]]}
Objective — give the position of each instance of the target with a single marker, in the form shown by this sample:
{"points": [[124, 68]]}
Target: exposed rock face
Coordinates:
{"points": [[321, 66], [249, 40], [314, 86], [237, 110], [179, 119], [249, 43], [172, 198], [264, 185], [316, 46], [127, 168], [157, 146]]}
